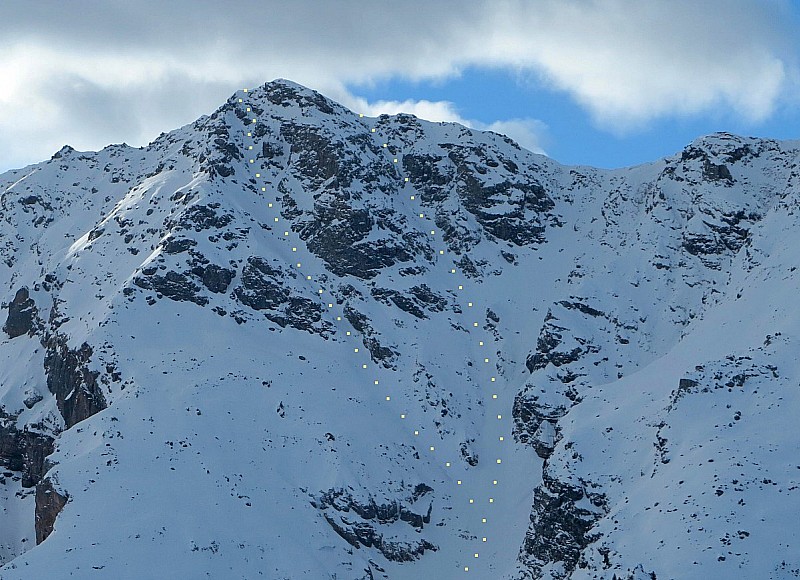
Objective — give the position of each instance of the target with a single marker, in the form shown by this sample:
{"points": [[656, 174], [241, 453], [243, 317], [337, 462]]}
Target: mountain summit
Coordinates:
{"points": [[292, 341]]}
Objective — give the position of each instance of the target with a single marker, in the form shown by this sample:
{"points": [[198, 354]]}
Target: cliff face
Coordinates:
{"points": [[298, 342], [74, 386], [25, 444], [49, 504], [24, 452]]}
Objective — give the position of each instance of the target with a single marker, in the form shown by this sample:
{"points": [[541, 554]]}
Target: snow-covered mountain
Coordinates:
{"points": [[291, 341]]}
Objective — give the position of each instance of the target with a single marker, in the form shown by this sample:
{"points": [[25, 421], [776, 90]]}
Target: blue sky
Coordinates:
{"points": [[597, 82], [571, 135]]}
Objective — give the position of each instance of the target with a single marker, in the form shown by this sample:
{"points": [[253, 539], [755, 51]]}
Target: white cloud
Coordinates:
{"points": [[528, 133], [111, 71], [629, 61], [429, 110]]}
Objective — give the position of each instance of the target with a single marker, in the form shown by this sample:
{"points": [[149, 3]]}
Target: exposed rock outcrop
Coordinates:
{"points": [[263, 287], [549, 347], [75, 386], [561, 524], [21, 314], [49, 503], [536, 422], [174, 285], [24, 451], [360, 523], [380, 354]]}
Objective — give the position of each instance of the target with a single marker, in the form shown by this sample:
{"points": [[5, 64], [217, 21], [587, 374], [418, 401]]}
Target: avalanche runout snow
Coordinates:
{"points": [[292, 341]]}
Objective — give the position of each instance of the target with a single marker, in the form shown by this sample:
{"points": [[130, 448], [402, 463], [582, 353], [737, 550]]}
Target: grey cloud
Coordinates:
{"points": [[153, 65]]}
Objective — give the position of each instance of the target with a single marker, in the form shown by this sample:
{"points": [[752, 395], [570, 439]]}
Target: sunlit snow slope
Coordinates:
{"points": [[290, 341]]}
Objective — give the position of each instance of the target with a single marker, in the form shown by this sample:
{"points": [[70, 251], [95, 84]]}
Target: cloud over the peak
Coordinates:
{"points": [[529, 133], [109, 70]]}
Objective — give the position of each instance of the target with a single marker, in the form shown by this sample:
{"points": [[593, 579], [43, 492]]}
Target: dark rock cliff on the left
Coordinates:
{"points": [[23, 451]]}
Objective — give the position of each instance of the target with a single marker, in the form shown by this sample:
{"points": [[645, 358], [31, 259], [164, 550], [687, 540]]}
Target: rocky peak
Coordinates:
{"points": [[65, 150], [296, 311], [723, 149]]}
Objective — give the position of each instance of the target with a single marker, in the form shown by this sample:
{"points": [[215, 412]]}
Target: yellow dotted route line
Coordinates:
{"points": [[493, 379], [356, 350]]}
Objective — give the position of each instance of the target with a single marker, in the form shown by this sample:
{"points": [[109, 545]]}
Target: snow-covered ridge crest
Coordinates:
{"points": [[288, 340]]}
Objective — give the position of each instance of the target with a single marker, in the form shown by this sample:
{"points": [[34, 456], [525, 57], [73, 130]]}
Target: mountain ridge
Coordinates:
{"points": [[250, 299]]}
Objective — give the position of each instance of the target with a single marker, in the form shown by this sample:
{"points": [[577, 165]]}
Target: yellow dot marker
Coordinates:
{"points": [[385, 145], [249, 134], [458, 482], [471, 501], [502, 438], [406, 178], [402, 416], [254, 120], [263, 189], [453, 271], [499, 416], [476, 554], [258, 175], [360, 115], [348, 333], [376, 381], [250, 147], [441, 252], [395, 160], [412, 197], [494, 396], [276, 219], [416, 432], [363, 366], [494, 482], [388, 398], [298, 264], [447, 464], [486, 360], [460, 287], [422, 215], [474, 324], [466, 568], [338, 318], [320, 290], [294, 249], [308, 277], [469, 304], [483, 539], [244, 90], [433, 232], [285, 233], [240, 100], [269, 205], [480, 343], [483, 521], [355, 350], [432, 449], [329, 305], [493, 379], [373, 130], [252, 161], [499, 461]]}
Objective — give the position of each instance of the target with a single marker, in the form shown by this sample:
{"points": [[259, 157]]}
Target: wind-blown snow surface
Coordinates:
{"points": [[287, 341]]}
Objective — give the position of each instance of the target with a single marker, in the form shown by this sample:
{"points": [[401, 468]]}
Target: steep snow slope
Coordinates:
{"points": [[290, 341]]}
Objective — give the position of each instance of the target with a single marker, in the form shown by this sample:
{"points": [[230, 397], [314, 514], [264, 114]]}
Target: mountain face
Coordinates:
{"points": [[290, 341]]}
